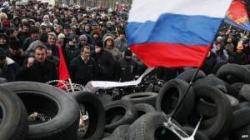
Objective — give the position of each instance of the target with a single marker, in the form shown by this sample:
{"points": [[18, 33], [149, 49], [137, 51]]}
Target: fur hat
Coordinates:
{"points": [[108, 36]]}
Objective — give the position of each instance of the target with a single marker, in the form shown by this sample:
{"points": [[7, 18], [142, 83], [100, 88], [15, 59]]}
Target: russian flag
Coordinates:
{"points": [[174, 33]]}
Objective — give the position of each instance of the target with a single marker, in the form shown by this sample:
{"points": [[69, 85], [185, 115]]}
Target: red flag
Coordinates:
{"points": [[62, 69], [237, 15]]}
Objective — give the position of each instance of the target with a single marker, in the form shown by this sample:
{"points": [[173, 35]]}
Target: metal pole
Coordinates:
{"points": [[186, 92], [71, 85]]}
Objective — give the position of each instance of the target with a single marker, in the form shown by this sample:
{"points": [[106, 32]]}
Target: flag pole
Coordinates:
{"points": [[186, 92], [71, 85]]}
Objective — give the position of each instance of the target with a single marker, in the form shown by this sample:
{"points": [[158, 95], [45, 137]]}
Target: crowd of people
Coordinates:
{"points": [[93, 42], [232, 45]]}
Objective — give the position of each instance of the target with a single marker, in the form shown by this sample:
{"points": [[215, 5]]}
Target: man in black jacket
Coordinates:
{"points": [[42, 70], [129, 68], [83, 68], [8, 67], [105, 63]]}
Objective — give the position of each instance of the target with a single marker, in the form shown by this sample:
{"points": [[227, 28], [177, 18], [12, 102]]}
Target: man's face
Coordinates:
{"points": [[95, 36], [218, 47], [2, 41], [35, 36], [49, 53], [40, 55], [51, 40], [85, 53], [25, 29], [87, 28], [46, 19], [15, 33], [109, 43], [73, 20], [122, 36], [66, 31], [14, 51], [48, 29], [58, 29], [83, 41]]}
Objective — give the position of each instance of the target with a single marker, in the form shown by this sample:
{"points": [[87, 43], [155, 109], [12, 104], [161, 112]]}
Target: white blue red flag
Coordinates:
{"points": [[174, 33]]}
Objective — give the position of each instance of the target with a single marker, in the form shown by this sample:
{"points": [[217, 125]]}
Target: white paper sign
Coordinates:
{"points": [[93, 86]]}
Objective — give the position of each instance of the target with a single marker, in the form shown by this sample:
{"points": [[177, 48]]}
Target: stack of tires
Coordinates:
{"points": [[221, 100], [36, 111]]}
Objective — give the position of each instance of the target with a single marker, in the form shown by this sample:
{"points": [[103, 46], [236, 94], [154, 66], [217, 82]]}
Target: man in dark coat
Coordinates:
{"points": [[34, 35], [128, 67], [8, 67], [209, 63], [239, 56], [105, 63], [4, 43], [51, 43], [42, 70], [83, 68], [72, 50]]}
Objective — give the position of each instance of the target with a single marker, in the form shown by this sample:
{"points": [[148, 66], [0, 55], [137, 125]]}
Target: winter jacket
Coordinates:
{"points": [[40, 72], [9, 70], [82, 72], [106, 65]]}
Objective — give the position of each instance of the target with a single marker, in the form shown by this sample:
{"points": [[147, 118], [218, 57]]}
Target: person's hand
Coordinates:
{"points": [[59, 43], [97, 50], [30, 62]]}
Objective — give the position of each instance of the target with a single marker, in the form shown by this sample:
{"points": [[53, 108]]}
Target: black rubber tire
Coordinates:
{"points": [[244, 92], [217, 66], [46, 99], [116, 118], [188, 74], [246, 67], [241, 105], [115, 108], [233, 101], [143, 108], [233, 73], [166, 101], [242, 133], [95, 109], [146, 127], [120, 133], [241, 117], [205, 108], [142, 97], [212, 80], [106, 134], [14, 125], [198, 136], [3, 80], [224, 115], [105, 98], [235, 88]]}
